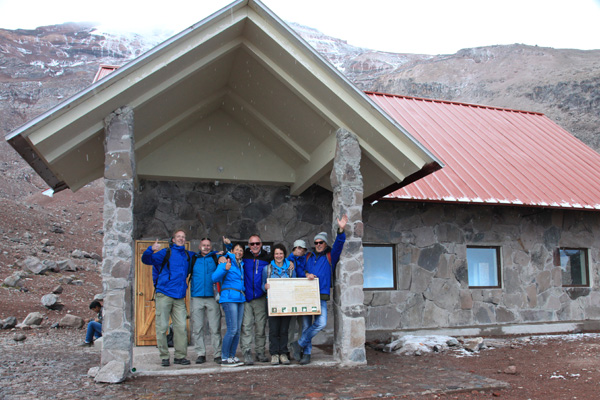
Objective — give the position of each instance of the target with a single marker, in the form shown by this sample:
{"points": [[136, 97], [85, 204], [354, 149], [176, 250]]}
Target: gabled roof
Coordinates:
{"points": [[496, 156], [237, 97]]}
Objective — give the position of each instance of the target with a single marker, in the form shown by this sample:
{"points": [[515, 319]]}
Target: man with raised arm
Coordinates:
{"points": [[319, 264], [170, 269]]}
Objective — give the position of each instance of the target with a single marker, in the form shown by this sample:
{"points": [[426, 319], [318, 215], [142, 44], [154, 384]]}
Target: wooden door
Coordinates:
{"points": [[145, 309]]}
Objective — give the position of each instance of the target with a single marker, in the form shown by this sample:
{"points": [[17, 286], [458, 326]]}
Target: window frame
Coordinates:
{"points": [[394, 267], [587, 266], [498, 266]]}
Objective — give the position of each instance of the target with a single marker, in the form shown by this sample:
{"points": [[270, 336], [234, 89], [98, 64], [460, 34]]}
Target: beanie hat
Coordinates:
{"points": [[299, 243], [322, 236]]}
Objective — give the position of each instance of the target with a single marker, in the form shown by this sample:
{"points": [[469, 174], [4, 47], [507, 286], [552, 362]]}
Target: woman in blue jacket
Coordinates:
{"points": [[231, 276], [278, 325]]}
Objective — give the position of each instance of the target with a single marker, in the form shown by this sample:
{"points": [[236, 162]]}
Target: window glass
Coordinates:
{"points": [[379, 266], [484, 266], [574, 266]]}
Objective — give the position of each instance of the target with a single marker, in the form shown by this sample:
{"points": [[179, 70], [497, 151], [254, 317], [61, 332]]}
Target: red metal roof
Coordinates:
{"points": [[495, 156]]}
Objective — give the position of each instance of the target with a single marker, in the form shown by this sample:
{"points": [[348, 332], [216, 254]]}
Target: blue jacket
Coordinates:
{"points": [[299, 264], [277, 272], [202, 270], [318, 263], [253, 268], [232, 281], [172, 279]]}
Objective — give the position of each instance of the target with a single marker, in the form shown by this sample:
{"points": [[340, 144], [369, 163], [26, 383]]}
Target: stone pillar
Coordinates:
{"points": [[349, 310], [118, 252]]}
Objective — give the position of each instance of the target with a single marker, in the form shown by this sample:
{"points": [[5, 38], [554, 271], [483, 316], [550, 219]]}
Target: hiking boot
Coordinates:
{"points": [[217, 360], [165, 362], [86, 344], [248, 360], [275, 359], [201, 360], [283, 358], [181, 361], [305, 359], [296, 350], [260, 357]]}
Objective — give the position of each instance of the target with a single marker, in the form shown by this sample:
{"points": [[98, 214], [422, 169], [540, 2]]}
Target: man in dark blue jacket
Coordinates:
{"points": [[319, 264], [203, 302], [255, 308], [171, 286]]}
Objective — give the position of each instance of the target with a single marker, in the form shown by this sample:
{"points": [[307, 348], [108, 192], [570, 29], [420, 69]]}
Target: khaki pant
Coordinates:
{"points": [[175, 309], [201, 307], [255, 316]]}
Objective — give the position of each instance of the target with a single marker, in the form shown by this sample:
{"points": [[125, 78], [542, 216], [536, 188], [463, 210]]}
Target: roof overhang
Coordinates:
{"points": [[237, 97]]}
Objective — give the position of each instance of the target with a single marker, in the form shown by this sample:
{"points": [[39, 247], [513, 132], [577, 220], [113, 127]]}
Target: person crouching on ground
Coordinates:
{"points": [[278, 325], [169, 276], [231, 275], [319, 264], [94, 327]]}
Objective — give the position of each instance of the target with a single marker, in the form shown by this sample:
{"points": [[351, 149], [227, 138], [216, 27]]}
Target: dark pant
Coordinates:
{"points": [[278, 334]]}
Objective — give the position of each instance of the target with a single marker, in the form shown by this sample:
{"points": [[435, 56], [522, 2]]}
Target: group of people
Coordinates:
{"points": [[242, 274]]}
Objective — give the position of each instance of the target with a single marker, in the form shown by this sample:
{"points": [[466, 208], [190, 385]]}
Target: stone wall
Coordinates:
{"points": [[432, 285], [237, 211]]}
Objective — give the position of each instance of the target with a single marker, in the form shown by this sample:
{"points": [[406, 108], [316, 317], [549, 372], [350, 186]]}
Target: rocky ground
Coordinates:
{"points": [[48, 365], [50, 230]]}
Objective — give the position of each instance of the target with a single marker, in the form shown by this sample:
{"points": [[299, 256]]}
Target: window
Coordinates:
{"points": [[574, 266], [484, 266], [380, 266]]}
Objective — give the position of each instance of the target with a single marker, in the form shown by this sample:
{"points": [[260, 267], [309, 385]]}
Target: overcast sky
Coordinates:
{"points": [[399, 26]]}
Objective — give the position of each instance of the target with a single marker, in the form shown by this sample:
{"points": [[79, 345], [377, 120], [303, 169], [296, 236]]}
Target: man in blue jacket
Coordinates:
{"points": [[170, 283], [203, 302], [255, 308], [319, 264]]}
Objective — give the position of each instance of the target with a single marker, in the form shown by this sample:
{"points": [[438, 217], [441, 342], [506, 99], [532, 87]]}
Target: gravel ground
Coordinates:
{"points": [[49, 365]]}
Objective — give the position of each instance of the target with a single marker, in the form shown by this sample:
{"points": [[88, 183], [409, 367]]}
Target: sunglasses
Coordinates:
{"points": [[318, 242], [255, 244]]}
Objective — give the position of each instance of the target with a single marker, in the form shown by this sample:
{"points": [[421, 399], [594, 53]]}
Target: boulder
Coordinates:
{"points": [[67, 265], [473, 344], [8, 323], [34, 265], [96, 257], [13, 281], [57, 290], [510, 370], [77, 254], [52, 266], [34, 318], [66, 280], [19, 337], [92, 372], [71, 321], [50, 301]]}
